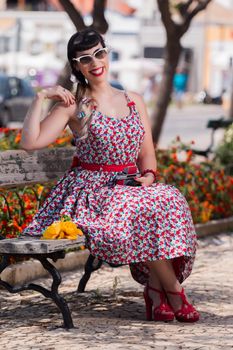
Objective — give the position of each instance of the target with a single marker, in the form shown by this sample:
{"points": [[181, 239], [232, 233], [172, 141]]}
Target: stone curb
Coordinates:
{"points": [[214, 227], [31, 270]]}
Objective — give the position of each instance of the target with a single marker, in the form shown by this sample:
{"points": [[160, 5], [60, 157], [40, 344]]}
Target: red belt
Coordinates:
{"points": [[104, 167]]}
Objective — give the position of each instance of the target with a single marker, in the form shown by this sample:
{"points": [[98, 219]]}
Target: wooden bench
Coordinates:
{"points": [[20, 169]]}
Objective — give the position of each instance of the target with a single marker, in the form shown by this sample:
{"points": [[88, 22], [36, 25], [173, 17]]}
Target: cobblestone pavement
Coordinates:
{"points": [[110, 316]]}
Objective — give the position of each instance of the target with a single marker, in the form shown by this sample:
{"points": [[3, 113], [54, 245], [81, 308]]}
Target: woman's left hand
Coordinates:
{"points": [[146, 180]]}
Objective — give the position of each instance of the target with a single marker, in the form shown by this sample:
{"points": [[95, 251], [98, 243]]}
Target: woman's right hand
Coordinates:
{"points": [[58, 93]]}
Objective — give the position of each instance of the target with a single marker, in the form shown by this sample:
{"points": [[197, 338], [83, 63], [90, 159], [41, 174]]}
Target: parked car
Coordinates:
{"points": [[16, 95]]}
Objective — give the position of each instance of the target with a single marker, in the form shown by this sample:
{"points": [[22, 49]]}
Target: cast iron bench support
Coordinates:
{"points": [[92, 264], [40, 250], [56, 281]]}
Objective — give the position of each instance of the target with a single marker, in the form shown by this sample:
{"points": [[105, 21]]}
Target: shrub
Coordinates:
{"points": [[205, 185], [224, 153], [10, 139], [18, 207]]}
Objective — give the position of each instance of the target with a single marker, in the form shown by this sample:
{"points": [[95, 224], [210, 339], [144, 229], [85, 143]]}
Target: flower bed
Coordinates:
{"points": [[205, 185], [207, 189], [18, 208], [224, 152], [10, 139]]}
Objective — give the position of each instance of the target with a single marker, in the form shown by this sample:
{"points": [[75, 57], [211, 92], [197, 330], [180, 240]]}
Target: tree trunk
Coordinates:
{"points": [[231, 102], [174, 31], [74, 14], [173, 50], [99, 21]]}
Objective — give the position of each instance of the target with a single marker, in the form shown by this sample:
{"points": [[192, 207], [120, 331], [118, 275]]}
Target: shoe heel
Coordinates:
{"points": [[149, 305], [162, 312]]}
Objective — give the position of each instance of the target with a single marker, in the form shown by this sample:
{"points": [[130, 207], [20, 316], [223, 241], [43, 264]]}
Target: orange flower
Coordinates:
{"points": [[189, 155], [63, 140], [16, 225], [40, 190], [18, 137], [209, 197], [181, 171], [174, 157]]}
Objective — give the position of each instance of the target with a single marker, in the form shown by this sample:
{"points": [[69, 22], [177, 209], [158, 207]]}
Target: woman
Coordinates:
{"points": [[149, 226]]}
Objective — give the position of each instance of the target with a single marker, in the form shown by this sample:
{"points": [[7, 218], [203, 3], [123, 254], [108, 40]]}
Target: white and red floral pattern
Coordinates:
{"points": [[123, 224]]}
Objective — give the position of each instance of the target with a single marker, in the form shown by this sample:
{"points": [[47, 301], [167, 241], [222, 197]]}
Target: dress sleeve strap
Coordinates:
{"points": [[130, 103]]}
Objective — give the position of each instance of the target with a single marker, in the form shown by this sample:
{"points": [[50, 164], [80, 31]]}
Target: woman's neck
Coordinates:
{"points": [[101, 89]]}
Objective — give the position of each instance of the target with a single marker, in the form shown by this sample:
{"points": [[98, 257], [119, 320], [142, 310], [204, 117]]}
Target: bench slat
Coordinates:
{"points": [[37, 246], [19, 167]]}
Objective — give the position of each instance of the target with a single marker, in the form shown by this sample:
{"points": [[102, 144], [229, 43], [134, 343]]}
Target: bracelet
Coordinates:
{"points": [[43, 91], [147, 171]]}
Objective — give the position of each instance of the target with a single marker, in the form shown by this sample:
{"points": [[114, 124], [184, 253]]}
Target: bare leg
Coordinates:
{"points": [[154, 290], [164, 271], [154, 282]]}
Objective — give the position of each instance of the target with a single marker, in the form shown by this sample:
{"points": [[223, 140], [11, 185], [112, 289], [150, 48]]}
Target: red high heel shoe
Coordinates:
{"points": [[163, 312], [186, 309]]}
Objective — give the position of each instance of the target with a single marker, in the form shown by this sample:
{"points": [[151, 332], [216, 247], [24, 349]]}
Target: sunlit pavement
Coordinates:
{"points": [[111, 315], [190, 124]]}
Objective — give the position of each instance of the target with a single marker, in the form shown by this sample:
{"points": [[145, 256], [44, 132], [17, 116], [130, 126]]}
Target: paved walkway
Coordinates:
{"points": [[110, 316], [190, 124]]}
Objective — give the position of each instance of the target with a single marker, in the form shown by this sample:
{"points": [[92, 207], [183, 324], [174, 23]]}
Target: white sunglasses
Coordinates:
{"points": [[87, 59]]}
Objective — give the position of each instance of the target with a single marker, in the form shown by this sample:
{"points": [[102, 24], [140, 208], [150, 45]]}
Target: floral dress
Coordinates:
{"points": [[122, 224]]}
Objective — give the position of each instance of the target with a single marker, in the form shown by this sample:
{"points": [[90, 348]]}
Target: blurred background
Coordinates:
{"points": [[34, 34], [178, 54]]}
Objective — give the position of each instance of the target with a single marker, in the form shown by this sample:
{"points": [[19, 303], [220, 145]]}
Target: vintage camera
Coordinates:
{"points": [[127, 178]]}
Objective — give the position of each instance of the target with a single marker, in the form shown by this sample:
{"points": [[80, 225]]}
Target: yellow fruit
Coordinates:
{"points": [[61, 230], [62, 235], [52, 232], [79, 232]]}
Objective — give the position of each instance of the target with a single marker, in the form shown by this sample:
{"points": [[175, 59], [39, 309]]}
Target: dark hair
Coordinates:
{"points": [[81, 41]]}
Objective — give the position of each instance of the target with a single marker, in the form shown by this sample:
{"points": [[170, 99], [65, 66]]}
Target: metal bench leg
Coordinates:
{"points": [[89, 268], [52, 294]]}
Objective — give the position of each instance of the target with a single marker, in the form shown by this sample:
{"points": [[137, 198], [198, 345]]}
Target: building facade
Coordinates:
{"points": [[33, 40]]}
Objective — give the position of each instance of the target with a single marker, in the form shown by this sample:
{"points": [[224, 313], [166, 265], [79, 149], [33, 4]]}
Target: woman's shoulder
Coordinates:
{"points": [[135, 97]]}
